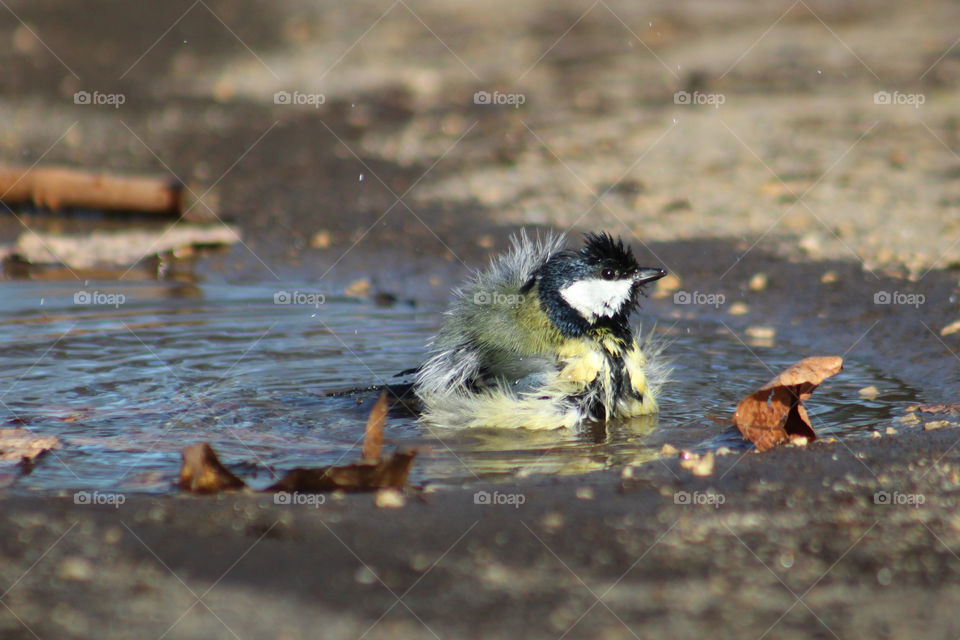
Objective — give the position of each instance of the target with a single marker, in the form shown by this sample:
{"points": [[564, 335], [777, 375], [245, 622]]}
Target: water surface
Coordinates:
{"points": [[127, 375]]}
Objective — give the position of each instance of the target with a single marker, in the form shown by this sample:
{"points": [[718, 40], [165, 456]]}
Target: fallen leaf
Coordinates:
{"points": [[775, 413], [373, 436], [391, 471], [202, 471], [23, 445]]}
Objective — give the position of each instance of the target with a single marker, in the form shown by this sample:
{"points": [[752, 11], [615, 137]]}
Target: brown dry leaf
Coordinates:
{"points": [[202, 471], [391, 471], [22, 445], [373, 436], [775, 413]]}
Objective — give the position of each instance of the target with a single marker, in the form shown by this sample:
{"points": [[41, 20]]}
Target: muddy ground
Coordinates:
{"points": [[780, 158]]}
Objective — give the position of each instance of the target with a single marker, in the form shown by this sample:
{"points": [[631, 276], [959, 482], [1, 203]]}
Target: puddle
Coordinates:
{"points": [[128, 375]]}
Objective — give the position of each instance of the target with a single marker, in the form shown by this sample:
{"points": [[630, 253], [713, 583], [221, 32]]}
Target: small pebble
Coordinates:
{"points": [[358, 288], [909, 419], [320, 240], [811, 244], [935, 424], [891, 431], [758, 282], [585, 493], [365, 575], [390, 499], [666, 286], [875, 434], [870, 392], [698, 465], [668, 450], [761, 333], [828, 277], [953, 327], [552, 520], [738, 309], [76, 569]]}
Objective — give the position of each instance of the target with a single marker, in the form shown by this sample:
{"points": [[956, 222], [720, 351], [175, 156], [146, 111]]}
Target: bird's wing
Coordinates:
{"points": [[520, 373]]}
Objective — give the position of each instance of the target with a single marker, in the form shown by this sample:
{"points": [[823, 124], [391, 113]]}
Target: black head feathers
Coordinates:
{"points": [[600, 249]]}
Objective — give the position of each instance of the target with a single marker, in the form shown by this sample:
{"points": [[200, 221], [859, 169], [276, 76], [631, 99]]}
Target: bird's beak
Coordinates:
{"points": [[648, 274]]}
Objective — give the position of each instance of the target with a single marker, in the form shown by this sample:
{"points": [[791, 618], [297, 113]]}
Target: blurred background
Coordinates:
{"points": [[402, 141]]}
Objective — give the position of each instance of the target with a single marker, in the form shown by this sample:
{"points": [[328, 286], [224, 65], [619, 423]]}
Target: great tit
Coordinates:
{"points": [[541, 339]]}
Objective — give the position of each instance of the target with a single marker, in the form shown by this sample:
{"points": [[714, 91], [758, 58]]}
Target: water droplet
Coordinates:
{"points": [[361, 177], [675, 121], [651, 25], [819, 72]]}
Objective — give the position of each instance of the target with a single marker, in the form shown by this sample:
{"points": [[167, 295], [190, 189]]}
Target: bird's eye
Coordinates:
{"points": [[608, 274]]}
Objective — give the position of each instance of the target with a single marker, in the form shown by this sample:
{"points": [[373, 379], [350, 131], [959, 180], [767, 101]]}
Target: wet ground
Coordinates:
{"points": [[783, 163]]}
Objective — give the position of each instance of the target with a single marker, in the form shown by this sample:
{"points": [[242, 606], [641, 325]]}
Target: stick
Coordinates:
{"points": [[57, 187]]}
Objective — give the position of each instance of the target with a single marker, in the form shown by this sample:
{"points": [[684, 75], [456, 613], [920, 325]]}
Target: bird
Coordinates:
{"points": [[541, 339]]}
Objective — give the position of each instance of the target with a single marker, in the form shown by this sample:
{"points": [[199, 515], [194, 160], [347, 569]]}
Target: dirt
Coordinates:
{"points": [[784, 162]]}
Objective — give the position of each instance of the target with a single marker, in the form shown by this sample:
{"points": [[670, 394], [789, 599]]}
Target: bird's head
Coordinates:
{"points": [[597, 286]]}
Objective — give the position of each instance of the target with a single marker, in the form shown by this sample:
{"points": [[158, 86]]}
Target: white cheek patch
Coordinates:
{"points": [[596, 298]]}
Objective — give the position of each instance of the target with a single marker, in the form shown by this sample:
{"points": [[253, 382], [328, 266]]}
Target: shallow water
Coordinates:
{"points": [[127, 382]]}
